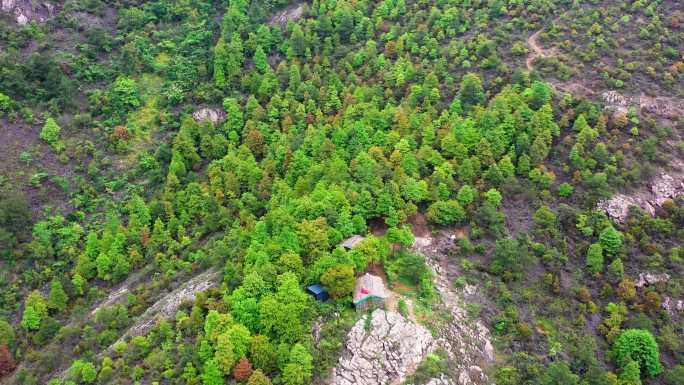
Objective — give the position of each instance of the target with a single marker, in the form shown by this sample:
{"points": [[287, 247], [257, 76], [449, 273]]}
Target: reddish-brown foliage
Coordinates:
{"points": [[7, 363], [121, 133], [243, 370]]}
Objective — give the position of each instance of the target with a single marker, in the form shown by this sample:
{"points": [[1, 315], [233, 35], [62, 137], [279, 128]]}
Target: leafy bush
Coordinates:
{"points": [[640, 346]]}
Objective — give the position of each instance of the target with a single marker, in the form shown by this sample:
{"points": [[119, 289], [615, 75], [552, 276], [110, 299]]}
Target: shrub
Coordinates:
{"points": [[595, 258], [445, 212], [640, 346], [50, 132]]}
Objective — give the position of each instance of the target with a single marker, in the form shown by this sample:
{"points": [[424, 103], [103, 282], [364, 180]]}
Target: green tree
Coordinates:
{"points": [[558, 373], [630, 374], [124, 95], [640, 346], [616, 271], [224, 355], [50, 132], [339, 280], [611, 240], [471, 92], [298, 370], [262, 353], [260, 60], [446, 212], [35, 310], [539, 94], [595, 258], [57, 299], [6, 333], [211, 374], [466, 195], [493, 198], [258, 378]]}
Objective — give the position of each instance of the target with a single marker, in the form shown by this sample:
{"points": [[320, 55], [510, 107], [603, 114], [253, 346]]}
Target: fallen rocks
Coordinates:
{"points": [[387, 351], [213, 115]]}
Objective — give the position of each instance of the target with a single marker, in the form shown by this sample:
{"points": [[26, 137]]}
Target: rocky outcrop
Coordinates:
{"points": [[382, 351], [663, 106], [667, 185], [289, 14], [466, 341], [673, 306], [24, 11], [213, 115], [646, 279]]}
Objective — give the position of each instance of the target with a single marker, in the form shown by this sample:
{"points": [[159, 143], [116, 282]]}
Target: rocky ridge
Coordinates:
{"points": [[388, 347], [384, 352]]}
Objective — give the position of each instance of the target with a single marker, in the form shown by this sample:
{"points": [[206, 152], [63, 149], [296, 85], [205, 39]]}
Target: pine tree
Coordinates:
{"points": [[224, 355], [471, 93], [611, 240], [595, 258], [57, 299]]}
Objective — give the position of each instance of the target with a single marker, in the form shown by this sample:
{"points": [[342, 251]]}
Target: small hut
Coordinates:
{"points": [[370, 293], [352, 241], [318, 292]]}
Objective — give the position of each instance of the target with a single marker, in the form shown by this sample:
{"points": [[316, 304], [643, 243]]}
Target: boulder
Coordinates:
{"points": [[382, 351]]}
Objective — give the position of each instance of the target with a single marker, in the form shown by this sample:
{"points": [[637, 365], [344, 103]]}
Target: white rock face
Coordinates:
{"points": [[646, 279], [213, 115], [385, 354], [667, 185], [673, 306]]}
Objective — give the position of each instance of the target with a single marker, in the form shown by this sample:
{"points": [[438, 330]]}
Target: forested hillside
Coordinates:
{"points": [[176, 174]]}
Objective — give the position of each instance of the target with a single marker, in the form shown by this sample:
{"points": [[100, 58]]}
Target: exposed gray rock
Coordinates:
{"points": [[213, 115], [385, 354], [646, 279], [618, 206]]}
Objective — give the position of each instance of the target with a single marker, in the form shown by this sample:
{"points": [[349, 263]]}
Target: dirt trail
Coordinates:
{"points": [[537, 50]]}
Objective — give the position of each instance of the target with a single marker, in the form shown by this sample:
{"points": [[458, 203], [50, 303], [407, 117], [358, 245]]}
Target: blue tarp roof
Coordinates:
{"points": [[316, 289]]}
